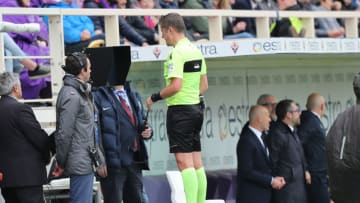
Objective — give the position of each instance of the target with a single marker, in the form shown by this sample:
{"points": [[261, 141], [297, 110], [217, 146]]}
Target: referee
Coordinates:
{"points": [[186, 80]]}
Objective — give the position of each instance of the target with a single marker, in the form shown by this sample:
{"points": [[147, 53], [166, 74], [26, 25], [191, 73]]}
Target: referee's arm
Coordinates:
{"points": [[173, 88], [203, 84]]}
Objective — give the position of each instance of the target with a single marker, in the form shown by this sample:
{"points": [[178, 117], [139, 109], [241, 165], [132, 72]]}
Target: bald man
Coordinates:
{"points": [[312, 135], [255, 181]]}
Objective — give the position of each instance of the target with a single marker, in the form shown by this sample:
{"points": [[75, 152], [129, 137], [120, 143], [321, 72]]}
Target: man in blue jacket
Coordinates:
{"points": [[78, 30], [123, 127]]}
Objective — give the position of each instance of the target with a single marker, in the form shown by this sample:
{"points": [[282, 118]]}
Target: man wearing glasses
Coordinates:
{"points": [[287, 154], [269, 102]]}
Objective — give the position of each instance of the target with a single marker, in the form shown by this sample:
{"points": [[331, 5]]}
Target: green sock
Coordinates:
{"points": [[202, 185], [190, 184]]}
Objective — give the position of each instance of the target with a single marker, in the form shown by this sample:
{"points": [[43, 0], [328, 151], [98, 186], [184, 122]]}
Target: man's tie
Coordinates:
{"points": [[263, 138], [130, 114], [127, 109]]}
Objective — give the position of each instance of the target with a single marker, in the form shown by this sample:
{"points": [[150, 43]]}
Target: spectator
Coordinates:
{"points": [[122, 118], [197, 27], [126, 30], [33, 44], [328, 27], [287, 27], [355, 4], [343, 152], [347, 5], [79, 31], [307, 5], [265, 5], [150, 21], [42, 3], [16, 65], [76, 130], [231, 29], [186, 79], [287, 154], [249, 23], [138, 23], [24, 146], [254, 167], [312, 135], [169, 4]]}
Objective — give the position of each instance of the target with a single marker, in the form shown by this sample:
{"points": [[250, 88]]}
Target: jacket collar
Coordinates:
{"points": [[79, 85]]}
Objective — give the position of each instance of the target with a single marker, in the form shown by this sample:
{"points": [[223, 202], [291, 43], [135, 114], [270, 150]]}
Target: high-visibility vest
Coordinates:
{"points": [[294, 21]]}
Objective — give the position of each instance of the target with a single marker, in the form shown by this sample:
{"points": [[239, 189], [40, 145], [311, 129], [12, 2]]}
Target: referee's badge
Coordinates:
{"points": [[171, 68]]}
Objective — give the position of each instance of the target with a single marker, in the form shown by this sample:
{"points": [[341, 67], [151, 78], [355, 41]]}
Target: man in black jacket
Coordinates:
{"points": [[24, 146], [287, 154], [313, 135], [342, 145]]}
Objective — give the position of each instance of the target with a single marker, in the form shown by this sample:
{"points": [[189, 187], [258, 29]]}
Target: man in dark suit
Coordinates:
{"points": [[313, 137], [254, 176], [287, 154], [24, 146]]}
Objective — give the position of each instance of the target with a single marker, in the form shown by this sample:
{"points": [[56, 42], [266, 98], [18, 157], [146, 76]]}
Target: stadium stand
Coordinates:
{"points": [[221, 181]]}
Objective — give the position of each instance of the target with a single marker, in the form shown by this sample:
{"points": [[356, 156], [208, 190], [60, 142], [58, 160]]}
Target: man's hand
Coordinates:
{"points": [[278, 183], [146, 133], [58, 171], [240, 26], [85, 35], [337, 32], [102, 171], [308, 177], [149, 102], [41, 43], [98, 32]]}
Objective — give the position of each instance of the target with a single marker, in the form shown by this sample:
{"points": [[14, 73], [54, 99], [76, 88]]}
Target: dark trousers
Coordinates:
{"points": [[30, 194], [318, 190], [123, 185]]}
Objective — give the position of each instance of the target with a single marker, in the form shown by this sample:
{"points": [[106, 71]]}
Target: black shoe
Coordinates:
{"points": [[40, 72]]}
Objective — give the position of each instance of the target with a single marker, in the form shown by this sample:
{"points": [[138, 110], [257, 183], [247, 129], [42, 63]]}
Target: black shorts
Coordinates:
{"points": [[183, 125]]}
